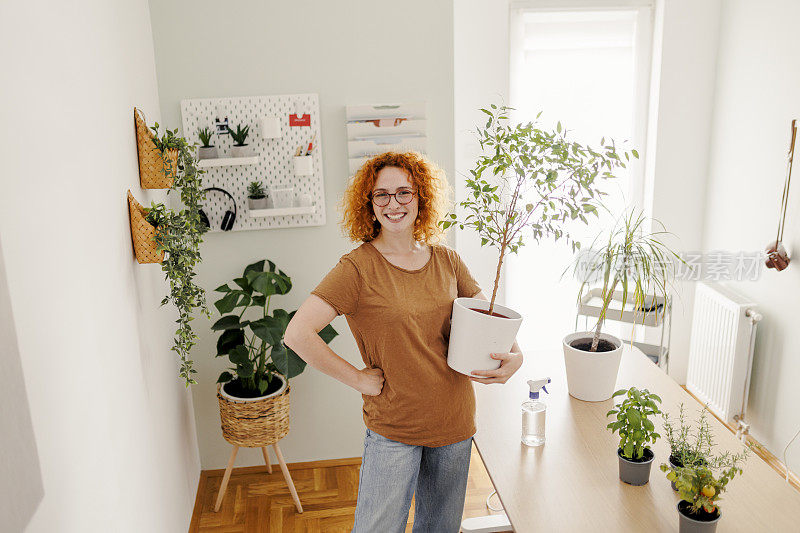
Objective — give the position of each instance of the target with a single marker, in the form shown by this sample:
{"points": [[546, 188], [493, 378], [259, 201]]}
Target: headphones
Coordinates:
{"points": [[227, 219]]}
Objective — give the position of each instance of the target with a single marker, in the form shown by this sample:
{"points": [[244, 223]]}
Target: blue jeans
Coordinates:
{"points": [[390, 473]]}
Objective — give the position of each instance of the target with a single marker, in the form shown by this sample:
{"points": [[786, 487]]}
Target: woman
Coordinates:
{"points": [[396, 291]]}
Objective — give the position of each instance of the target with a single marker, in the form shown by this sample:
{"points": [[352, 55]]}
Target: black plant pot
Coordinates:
{"points": [[635, 472], [700, 523]]}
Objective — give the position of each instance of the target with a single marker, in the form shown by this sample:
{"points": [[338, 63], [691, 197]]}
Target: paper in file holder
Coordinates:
{"points": [[378, 128]]}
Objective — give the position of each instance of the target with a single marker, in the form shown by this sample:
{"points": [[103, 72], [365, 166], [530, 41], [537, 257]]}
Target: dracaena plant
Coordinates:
{"points": [[632, 421], [631, 259], [239, 136], [179, 233], [205, 137], [255, 190], [534, 179], [252, 337]]}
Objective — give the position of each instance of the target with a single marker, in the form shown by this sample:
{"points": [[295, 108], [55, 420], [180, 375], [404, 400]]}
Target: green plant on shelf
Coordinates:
{"points": [[255, 190], [240, 135], [205, 137], [179, 233], [632, 421], [254, 343]]}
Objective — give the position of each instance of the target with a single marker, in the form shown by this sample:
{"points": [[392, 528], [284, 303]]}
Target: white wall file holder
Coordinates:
{"points": [[303, 165], [273, 160], [377, 128]]}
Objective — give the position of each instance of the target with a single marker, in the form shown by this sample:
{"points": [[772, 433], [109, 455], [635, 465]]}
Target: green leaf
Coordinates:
{"points": [[225, 377], [227, 303], [257, 267], [223, 288], [267, 329], [619, 393], [229, 340], [240, 355], [287, 361], [633, 415], [260, 281], [327, 333], [228, 322]]}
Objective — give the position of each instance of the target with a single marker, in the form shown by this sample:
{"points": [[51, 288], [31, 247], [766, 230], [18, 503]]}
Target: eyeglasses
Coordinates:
{"points": [[403, 197]]}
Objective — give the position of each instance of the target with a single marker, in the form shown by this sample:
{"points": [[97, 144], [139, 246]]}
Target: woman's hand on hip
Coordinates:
{"points": [[510, 363], [370, 381]]}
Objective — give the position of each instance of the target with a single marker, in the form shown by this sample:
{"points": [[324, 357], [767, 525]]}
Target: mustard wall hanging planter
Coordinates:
{"points": [[156, 171], [143, 234]]}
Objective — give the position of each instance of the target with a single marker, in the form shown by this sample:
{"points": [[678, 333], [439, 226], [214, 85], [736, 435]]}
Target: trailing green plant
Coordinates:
{"points": [[254, 344], [240, 135], [633, 259], [205, 137], [700, 487], [636, 430], [531, 178], [256, 191], [179, 233]]}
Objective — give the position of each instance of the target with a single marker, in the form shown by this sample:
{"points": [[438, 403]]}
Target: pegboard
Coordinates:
{"points": [[275, 166]]}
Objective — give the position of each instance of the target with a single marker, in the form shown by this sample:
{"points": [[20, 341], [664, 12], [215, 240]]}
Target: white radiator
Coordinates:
{"points": [[721, 351]]}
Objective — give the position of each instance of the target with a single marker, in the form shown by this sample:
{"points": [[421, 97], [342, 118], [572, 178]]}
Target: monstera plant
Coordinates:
{"points": [[252, 337]]}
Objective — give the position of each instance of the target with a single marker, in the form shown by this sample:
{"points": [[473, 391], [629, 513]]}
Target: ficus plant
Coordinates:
{"points": [[632, 421], [239, 136], [534, 179], [252, 337], [205, 137], [179, 233]]}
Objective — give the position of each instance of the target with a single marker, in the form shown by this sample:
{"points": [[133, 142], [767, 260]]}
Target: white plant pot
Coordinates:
{"points": [[591, 376], [258, 203], [303, 165], [241, 151], [207, 152], [474, 335], [270, 395]]}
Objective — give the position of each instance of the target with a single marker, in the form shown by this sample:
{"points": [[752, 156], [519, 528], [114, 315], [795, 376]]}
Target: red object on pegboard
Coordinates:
{"points": [[304, 120]]}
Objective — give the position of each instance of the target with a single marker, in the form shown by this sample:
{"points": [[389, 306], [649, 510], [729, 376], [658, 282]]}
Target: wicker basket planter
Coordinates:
{"points": [[152, 164], [257, 422], [143, 234]]}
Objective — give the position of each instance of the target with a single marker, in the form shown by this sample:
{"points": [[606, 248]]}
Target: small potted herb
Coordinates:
{"points": [[207, 150], [636, 433], [257, 196], [253, 394], [686, 449], [239, 136], [700, 489]]}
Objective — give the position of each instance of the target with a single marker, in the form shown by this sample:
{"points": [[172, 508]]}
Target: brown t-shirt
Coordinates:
{"points": [[401, 321]]}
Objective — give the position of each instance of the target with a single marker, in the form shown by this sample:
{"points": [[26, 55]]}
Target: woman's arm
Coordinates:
{"points": [[509, 365], [301, 336]]}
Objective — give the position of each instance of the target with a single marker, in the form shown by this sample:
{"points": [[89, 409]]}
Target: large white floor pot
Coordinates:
{"points": [[591, 376], [475, 335]]}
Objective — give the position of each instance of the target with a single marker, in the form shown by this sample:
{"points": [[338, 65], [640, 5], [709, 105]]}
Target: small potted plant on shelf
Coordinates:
{"points": [[257, 197], [254, 394], [239, 136], [700, 490], [636, 433], [529, 182], [157, 154], [179, 234], [635, 268], [207, 150]]}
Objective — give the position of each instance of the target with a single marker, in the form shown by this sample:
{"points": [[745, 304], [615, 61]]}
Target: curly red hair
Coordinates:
{"points": [[428, 180]]}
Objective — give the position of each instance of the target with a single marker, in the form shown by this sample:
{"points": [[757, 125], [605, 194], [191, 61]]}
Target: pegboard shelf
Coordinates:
{"points": [[279, 212], [227, 161]]}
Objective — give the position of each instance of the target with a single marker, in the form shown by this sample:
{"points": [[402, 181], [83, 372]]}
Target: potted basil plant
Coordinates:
{"points": [[239, 136], [529, 182], [207, 150], [636, 432]]}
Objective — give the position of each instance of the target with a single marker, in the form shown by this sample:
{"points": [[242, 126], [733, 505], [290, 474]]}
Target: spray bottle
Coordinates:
{"points": [[533, 414]]}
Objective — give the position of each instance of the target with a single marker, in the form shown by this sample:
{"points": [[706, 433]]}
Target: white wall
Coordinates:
{"points": [[755, 101], [349, 53], [112, 422]]}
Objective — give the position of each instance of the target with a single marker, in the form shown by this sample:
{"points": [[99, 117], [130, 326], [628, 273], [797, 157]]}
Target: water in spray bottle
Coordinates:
{"points": [[534, 412]]}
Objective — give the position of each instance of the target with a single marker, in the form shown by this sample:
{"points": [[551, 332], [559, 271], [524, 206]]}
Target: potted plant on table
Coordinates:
{"points": [[207, 150], [530, 179], [254, 395], [636, 432], [635, 268], [257, 197], [179, 234], [239, 136], [686, 449], [700, 489]]}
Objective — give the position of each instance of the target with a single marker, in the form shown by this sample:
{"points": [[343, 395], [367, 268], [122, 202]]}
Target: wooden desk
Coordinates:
{"points": [[571, 484]]}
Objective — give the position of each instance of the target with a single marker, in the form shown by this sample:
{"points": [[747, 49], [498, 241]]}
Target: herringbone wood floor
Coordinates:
{"points": [[260, 502]]}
